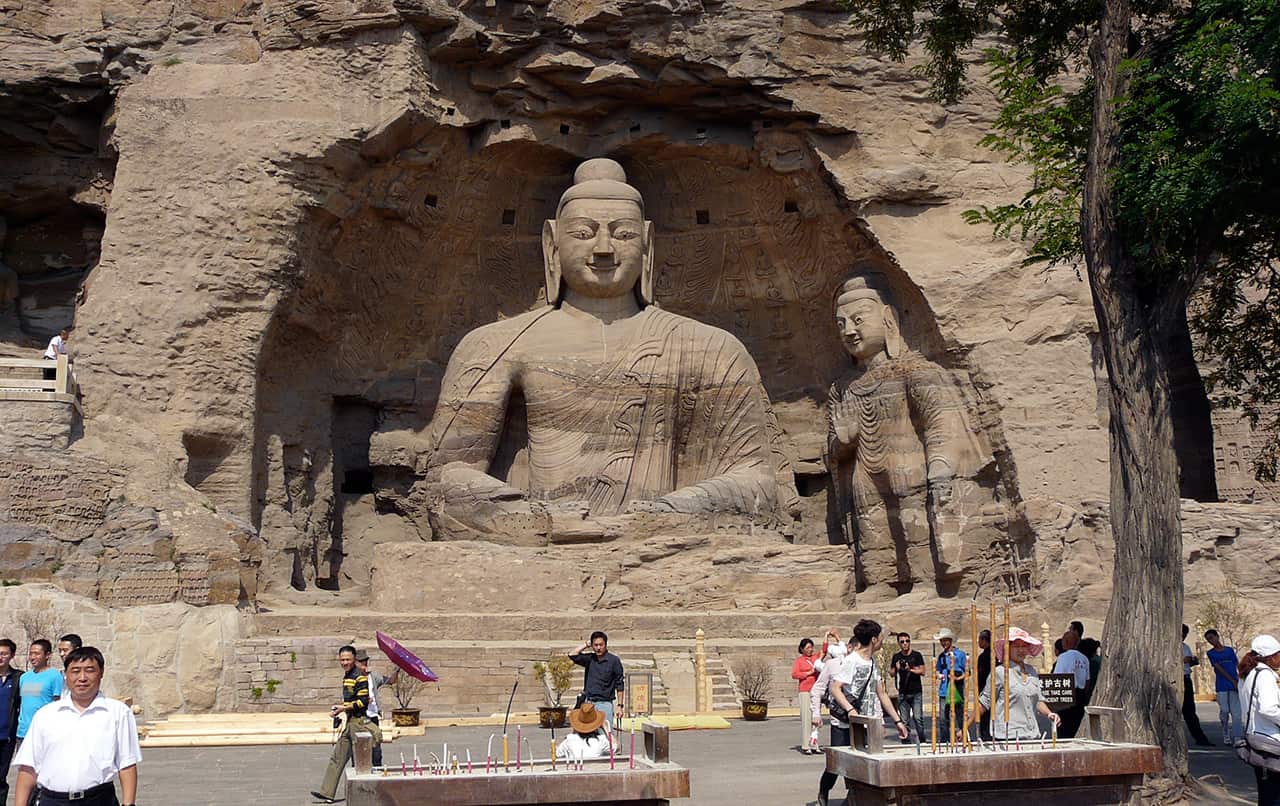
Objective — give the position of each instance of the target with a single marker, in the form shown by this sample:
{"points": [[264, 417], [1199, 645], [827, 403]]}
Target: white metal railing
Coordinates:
{"points": [[28, 375]]}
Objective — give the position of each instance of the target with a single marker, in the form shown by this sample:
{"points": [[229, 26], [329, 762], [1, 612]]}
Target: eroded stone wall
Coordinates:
{"points": [[308, 204]]}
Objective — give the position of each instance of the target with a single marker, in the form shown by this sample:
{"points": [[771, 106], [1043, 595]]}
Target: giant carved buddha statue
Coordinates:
{"points": [[630, 408]]}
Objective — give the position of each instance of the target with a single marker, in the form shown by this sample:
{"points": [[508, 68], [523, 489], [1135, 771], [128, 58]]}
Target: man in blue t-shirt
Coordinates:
{"points": [[1226, 685], [39, 685], [950, 667]]}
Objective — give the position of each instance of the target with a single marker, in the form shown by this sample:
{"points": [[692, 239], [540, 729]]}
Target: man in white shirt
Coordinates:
{"points": [[1073, 662], [57, 346], [76, 745]]}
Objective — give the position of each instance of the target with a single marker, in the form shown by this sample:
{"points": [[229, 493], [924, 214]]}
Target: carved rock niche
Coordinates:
{"points": [[404, 255]]}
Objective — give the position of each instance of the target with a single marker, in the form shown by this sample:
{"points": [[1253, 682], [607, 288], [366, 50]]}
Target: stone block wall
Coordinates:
{"points": [[168, 657], [36, 425]]}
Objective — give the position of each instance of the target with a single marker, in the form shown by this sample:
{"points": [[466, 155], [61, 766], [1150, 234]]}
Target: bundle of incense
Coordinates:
{"points": [[553, 753], [506, 755], [488, 754], [454, 770], [632, 763], [517, 748], [1054, 726], [404, 769], [416, 770], [1006, 666], [933, 723], [470, 769]]}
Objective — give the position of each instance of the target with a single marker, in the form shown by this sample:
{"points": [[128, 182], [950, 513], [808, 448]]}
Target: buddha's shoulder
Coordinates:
{"points": [[500, 334], [695, 330]]}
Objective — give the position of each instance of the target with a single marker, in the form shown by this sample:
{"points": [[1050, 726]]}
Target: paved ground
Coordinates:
{"points": [[749, 764]]}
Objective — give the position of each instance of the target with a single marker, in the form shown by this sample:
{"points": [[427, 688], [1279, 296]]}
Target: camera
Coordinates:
{"points": [[337, 722]]}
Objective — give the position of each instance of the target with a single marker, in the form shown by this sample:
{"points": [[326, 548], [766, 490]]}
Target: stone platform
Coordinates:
{"points": [[642, 775], [1077, 772]]}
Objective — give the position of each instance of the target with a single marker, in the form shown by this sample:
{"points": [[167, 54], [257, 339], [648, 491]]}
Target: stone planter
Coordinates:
{"points": [[553, 716], [406, 717], [755, 710]]}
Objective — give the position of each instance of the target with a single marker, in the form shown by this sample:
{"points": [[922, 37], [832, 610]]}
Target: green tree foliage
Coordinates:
{"points": [[1198, 181]]}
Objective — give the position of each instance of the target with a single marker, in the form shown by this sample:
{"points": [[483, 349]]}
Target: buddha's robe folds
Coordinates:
{"points": [[676, 413]]}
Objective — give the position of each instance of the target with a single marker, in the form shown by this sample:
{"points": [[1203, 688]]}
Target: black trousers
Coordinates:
{"points": [[1268, 786], [6, 756], [1189, 711], [839, 738]]}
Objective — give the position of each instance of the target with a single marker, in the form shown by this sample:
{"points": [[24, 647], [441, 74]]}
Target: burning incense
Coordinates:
{"points": [[404, 769], [415, 761], [488, 755], [506, 757], [973, 678], [632, 763], [933, 723], [518, 731], [470, 769], [1007, 667]]}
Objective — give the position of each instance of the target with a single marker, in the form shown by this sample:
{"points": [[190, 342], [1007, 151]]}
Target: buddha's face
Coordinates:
{"points": [[600, 246], [862, 328]]}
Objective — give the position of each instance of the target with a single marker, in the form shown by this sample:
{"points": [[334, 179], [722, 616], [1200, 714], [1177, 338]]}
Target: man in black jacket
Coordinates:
{"points": [[604, 679], [9, 702]]}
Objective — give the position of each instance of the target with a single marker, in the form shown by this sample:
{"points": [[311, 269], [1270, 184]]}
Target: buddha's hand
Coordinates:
{"points": [[941, 490], [461, 482], [843, 414]]}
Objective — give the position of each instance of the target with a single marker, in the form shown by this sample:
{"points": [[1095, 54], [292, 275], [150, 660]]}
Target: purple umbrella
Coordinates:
{"points": [[405, 659]]}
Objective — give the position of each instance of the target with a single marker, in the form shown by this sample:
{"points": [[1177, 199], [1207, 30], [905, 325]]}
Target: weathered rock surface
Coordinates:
{"points": [[274, 222], [168, 657]]}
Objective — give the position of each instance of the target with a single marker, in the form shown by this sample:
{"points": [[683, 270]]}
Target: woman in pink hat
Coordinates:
{"points": [[1025, 698]]}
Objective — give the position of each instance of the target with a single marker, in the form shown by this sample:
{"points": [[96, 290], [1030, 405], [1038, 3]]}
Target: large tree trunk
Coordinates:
{"points": [[1141, 670]]}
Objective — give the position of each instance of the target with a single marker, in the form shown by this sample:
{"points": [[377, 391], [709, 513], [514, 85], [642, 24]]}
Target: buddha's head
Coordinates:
{"points": [[867, 323], [599, 244]]}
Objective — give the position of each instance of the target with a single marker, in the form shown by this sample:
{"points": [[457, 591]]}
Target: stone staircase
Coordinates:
{"points": [[659, 699], [724, 696]]}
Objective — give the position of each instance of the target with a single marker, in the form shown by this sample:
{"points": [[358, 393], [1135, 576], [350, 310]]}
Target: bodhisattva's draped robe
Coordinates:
{"points": [[677, 413]]}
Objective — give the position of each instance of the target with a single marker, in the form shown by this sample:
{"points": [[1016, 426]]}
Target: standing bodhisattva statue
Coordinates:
{"points": [[897, 440], [630, 408]]}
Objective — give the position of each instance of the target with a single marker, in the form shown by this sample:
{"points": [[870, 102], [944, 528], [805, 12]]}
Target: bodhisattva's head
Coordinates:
{"points": [[599, 244], [868, 325]]}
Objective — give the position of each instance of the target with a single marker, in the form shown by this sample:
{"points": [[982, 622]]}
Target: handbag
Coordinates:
{"points": [[1257, 749], [837, 711]]}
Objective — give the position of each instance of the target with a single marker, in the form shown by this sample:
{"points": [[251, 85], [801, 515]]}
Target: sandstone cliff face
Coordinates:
{"points": [[307, 204]]}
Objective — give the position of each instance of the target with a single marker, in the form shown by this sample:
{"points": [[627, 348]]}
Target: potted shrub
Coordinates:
{"points": [[406, 688], [753, 677], [556, 676]]}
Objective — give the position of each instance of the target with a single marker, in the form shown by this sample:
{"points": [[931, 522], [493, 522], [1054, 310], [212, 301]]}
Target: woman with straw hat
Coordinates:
{"points": [[1025, 697], [588, 739]]}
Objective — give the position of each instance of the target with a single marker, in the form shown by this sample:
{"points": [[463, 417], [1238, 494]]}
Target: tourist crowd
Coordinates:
{"points": [[66, 739]]}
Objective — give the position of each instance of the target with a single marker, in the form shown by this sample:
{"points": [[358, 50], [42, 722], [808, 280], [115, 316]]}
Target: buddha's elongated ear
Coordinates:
{"points": [[647, 268], [892, 333], [551, 262]]}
